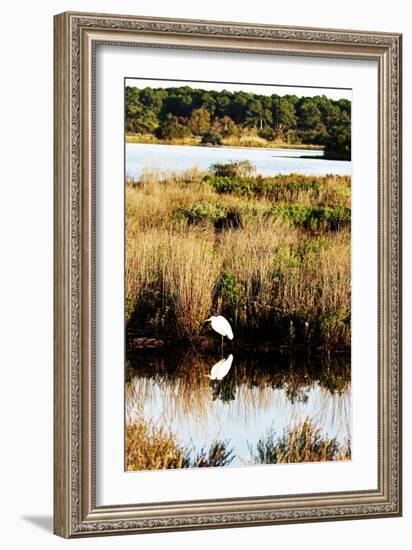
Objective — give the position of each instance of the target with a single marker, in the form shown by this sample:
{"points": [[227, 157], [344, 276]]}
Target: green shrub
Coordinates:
{"points": [[201, 211], [314, 217], [267, 133], [282, 188], [173, 130], [335, 326], [226, 184], [220, 216], [129, 307], [338, 146], [218, 454], [211, 138], [227, 288], [313, 246], [303, 443], [241, 168]]}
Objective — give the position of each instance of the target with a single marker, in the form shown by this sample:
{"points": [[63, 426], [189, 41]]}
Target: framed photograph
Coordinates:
{"points": [[227, 274]]}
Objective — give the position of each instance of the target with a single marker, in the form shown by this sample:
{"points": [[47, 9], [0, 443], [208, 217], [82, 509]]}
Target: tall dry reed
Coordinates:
{"points": [[149, 447], [259, 271]]}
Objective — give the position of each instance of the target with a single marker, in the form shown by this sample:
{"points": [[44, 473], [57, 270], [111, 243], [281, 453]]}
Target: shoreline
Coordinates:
{"points": [[130, 138], [136, 343]]}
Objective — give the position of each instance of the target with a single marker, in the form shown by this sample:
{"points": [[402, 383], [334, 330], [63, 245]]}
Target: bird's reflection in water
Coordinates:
{"points": [[223, 387], [201, 399], [221, 368]]}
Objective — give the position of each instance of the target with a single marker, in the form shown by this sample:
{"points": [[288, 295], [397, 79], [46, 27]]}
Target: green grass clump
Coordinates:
{"points": [[327, 190], [302, 443], [315, 218], [220, 216], [202, 211], [228, 289]]}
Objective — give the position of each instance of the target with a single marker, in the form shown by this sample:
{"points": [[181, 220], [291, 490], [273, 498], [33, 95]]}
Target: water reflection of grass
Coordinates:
{"points": [[178, 386], [300, 443]]}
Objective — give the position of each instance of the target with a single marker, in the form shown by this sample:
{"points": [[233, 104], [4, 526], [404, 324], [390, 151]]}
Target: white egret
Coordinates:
{"points": [[221, 368], [222, 326]]}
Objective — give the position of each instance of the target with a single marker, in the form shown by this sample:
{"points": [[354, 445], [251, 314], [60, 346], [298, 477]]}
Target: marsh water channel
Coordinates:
{"points": [[261, 393]]}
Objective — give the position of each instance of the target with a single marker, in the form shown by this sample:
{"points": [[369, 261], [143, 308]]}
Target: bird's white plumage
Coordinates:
{"points": [[221, 368], [221, 326]]}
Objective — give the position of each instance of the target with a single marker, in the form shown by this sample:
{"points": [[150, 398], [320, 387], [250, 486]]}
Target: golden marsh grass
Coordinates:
{"points": [[192, 251]]}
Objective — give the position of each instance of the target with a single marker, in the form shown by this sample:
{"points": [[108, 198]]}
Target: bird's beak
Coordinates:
{"points": [[206, 320]]}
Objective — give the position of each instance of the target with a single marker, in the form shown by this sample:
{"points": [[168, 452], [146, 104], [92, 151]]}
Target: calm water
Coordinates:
{"points": [[258, 394], [267, 161]]}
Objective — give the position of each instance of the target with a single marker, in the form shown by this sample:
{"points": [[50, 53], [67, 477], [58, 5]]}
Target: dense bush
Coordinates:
{"points": [[211, 138], [202, 211], [326, 190], [172, 130], [338, 146], [268, 133], [314, 217], [234, 169]]}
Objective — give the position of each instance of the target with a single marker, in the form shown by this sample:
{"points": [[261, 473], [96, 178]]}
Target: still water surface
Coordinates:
{"points": [[269, 162], [259, 394]]}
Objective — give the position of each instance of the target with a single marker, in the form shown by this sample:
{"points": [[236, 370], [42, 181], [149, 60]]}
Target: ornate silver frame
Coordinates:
{"points": [[75, 38]]}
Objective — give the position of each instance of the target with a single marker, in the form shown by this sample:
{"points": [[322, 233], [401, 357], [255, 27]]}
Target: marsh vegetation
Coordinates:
{"points": [[221, 223], [272, 254]]}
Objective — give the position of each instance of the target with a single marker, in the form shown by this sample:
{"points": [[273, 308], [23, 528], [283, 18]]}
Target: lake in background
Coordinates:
{"points": [[269, 162]]}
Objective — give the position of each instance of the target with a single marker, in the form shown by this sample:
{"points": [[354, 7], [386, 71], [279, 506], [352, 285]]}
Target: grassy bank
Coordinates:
{"points": [[271, 254], [243, 141]]}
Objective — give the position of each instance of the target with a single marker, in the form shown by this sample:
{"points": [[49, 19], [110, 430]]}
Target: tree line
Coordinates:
{"points": [[182, 112]]}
